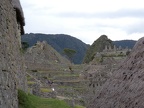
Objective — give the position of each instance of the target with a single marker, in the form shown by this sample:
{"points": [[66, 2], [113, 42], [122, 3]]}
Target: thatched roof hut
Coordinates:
{"points": [[19, 14]]}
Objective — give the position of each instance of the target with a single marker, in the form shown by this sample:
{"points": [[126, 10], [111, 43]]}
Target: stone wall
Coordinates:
{"points": [[125, 88], [12, 72]]}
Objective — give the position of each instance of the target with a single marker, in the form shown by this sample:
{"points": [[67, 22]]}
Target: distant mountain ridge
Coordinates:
{"points": [[59, 42], [125, 43]]}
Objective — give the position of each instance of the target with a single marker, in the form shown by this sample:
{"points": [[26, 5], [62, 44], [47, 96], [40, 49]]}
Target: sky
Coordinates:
{"points": [[86, 20]]}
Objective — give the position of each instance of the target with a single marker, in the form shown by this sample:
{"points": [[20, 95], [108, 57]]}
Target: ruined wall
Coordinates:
{"points": [[43, 56], [125, 88], [11, 62]]}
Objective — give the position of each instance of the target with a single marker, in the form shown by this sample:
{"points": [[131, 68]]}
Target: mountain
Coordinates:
{"points": [[59, 42], [97, 46], [62, 41], [125, 88], [42, 54], [125, 43]]}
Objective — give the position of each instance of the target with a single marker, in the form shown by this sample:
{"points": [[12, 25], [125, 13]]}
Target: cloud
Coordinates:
{"points": [[134, 13], [86, 19], [136, 28]]}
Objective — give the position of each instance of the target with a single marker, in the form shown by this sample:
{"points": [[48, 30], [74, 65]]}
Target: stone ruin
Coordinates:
{"points": [[125, 88], [109, 49], [43, 55], [19, 15], [12, 67]]}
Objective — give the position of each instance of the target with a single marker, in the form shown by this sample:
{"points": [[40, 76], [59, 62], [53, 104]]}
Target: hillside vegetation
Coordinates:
{"points": [[97, 46], [59, 42]]}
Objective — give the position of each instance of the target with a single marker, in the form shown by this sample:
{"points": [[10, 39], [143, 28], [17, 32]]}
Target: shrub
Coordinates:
{"points": [[23, 100], [25, 45]]}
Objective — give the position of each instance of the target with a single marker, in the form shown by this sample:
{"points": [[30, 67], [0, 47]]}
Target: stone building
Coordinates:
{"points": [[115, 50], [12, 71]]}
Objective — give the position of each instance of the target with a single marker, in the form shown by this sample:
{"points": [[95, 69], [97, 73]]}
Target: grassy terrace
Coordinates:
{"points": [[45, 90], [47, 103], [31, 101], [66, 83], [69, 81]]}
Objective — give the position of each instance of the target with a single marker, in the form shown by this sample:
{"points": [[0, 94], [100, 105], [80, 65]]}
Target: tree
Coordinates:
{"points": [[69, 53], [25, 45]]}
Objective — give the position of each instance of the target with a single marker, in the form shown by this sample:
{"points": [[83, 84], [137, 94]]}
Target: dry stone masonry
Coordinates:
{"points": [[125, 88], [12, 71]]}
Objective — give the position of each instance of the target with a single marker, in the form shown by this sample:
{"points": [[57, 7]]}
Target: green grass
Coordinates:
{"points": [[24, 101], [31, 101], [29, 78], [45, 90], [30, 82], [29, 90], [69, 81], [47, 103]]}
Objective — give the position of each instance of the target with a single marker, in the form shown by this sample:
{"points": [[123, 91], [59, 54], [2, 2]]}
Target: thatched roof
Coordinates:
{"points": [[20, 16]]}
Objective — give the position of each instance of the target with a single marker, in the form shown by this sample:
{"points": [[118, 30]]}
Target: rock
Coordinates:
{"points": [[36, 89], [125, 88]]}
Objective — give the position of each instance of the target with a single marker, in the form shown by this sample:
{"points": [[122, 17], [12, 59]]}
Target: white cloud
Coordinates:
{"points": [[85, 19]]}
